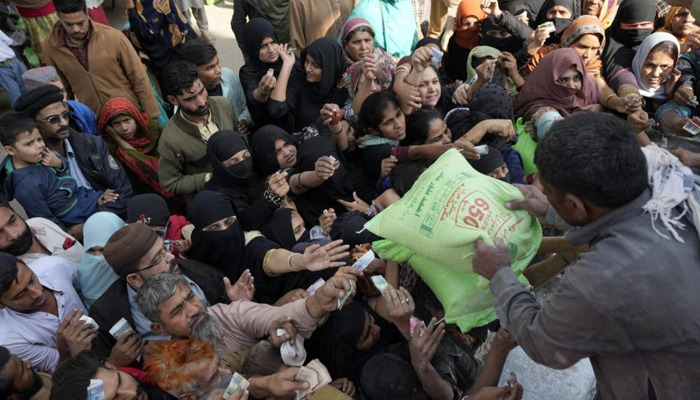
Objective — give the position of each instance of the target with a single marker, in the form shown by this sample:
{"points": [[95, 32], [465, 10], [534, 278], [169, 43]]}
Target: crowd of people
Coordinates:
{"points": [[186, 222]]}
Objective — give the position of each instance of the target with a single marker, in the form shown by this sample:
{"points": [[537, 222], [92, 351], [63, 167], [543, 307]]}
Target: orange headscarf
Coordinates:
{"points": [[583, 25], [669, 19], [470, 37]]}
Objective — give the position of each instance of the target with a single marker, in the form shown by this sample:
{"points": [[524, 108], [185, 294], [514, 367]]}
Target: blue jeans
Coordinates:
{"points": [[11, 79]]}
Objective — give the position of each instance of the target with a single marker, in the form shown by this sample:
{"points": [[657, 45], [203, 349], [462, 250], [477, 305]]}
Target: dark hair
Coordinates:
{"points": [[8, 271], [14, 124], [594, 156], [352, 33], [418, 126], [70, 6], [178, 76], [404, 176], [666, 47], [198, 51], [263, 359], [6, 385], [373, 108], [5, 204], [72, 378]]}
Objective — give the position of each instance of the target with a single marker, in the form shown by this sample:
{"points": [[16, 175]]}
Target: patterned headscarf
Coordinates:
{"points": [[385, 72], [165, 21]]}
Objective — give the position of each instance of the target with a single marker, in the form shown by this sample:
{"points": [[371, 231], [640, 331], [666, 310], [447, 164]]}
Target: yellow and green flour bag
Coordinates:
{"points": [[434, 228]]}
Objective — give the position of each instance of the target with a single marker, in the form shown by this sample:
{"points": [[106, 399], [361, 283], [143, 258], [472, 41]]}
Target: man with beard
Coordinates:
{"points": [[173, 309], [96, 62], [35, 238], [87, 156], [72, 379], [183, 167], [135, 253], [19, 381], [36, 306]]}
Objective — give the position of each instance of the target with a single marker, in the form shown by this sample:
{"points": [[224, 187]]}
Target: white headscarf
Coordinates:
{"points": [[674, 186], [641, 56]]}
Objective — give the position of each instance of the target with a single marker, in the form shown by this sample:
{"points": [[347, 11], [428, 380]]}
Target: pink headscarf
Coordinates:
{"points": [[350, 26], [541, 89]]}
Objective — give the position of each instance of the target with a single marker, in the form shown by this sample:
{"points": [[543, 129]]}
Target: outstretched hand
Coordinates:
{"points": [[318, 258], [243, 289]]}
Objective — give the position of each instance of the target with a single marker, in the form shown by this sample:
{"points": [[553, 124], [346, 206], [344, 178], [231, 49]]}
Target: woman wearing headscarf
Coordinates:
{"points": [[95, 275], [486, 64], [633, 23], [310, 86], [133, 139], [160, 30], [286, 228], [559, 12], [356, 40], [586, 36], [680, 24], [654, 69], [235, 177], [392, 22], [467, 35], [313, 155], [262, 47], [316, 175], [498, 37], [557, 88], [218, 240], [604, 10]]}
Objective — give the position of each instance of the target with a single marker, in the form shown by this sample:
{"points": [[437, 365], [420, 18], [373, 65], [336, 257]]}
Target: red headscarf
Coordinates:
{"points": [[468, 38], [541, 89], [143, 160]]}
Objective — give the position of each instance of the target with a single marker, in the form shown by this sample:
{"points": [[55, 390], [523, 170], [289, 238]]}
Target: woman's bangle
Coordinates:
{"points": [[342, 128], [607, 100], [470, 140], [260, 92], [301, 185], [266, 268], [289, 262]]}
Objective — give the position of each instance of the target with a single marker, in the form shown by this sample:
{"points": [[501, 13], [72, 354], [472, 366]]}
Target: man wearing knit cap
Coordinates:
{"points": [[88, 158], [82, 119], [135, 253]]}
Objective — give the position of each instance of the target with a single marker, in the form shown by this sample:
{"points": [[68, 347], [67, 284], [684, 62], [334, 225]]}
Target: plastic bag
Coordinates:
{"points": [[434, 228]]}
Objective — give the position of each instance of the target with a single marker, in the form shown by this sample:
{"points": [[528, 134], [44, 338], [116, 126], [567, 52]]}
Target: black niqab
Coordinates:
{"points": [[510, 44], [621, 44], [224, 249]]}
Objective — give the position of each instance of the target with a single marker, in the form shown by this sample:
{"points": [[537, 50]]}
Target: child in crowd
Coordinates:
{"points": [[39, 180]]}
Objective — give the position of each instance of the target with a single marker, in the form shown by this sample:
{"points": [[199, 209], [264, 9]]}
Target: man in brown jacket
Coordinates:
{"points": [[95, 61]]}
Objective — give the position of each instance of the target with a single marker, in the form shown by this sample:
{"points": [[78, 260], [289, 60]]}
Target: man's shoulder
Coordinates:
{"points": [[109, 303], [107, 31]]}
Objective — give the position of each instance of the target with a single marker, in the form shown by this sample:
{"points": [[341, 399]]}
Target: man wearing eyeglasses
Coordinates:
{"points": [[135, 253], [87, 156]]}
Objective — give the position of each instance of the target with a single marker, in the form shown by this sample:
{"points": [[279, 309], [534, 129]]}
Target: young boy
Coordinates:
{"points": [[39, 179], [217, 80]]}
